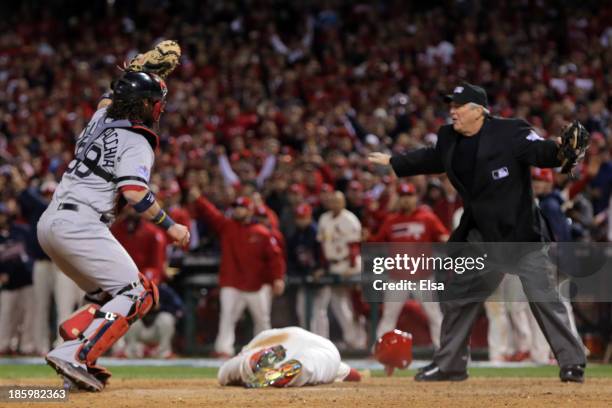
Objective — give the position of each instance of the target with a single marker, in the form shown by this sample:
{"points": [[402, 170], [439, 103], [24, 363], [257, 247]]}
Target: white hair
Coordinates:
{"points": [[475, 105]]}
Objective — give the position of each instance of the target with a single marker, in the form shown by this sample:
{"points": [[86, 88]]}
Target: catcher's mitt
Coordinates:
{"points": [[161, 60], [574, 143]]}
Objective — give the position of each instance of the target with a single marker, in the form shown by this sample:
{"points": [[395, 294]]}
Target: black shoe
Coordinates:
{"points": [[427, 367], [78, 375], [434, 374], [572, 373]]}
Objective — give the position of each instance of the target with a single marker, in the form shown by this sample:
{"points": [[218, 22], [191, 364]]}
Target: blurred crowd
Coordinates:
{"points": [[281, 103]]}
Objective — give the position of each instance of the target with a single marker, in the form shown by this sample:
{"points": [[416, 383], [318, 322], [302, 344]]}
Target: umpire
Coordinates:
{"points": [[488, 161]]}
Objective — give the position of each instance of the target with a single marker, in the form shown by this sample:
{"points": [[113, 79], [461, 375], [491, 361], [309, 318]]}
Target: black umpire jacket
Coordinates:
{"points": [[501, 204]]}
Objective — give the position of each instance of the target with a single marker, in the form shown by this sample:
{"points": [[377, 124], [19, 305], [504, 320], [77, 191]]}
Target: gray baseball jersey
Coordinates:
{"points": [[123, 154]]}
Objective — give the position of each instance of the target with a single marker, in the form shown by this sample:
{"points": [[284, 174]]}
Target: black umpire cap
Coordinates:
{"points": [[466, 93]]}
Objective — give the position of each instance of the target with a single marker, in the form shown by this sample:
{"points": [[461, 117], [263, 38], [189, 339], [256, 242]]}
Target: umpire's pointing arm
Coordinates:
{"points": [[421, 161], [529, 148]]}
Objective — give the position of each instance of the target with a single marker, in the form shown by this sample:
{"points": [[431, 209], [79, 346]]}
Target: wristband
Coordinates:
{"points": [[163, 220], [147, 201]]}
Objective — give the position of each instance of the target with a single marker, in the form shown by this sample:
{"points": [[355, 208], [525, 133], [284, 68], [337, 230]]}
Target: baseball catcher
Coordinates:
{"points": [[113, 159]]}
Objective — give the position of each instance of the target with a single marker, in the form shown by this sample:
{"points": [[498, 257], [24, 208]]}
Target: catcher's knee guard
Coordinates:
{"points": [[114, 325], [145, 301], [73, 327]]}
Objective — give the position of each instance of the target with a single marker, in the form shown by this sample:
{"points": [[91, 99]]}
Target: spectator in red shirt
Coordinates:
{"points": [[145, 243], [262, 216], [268, 214], [410, 224], [266, 217], [250, 258], [170, 196], [443, 200]]}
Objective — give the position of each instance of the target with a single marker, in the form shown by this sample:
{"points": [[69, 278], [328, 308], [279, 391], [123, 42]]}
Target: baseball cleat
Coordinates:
{"points": [[275, 377], [267, 358], [76, 374]]}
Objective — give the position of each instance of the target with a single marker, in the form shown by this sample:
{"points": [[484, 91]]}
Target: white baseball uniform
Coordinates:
{"points": [[319, 357], [17, 320], [49, 281], [160, 334], [336, 233], [74, 231], [513, 327]]}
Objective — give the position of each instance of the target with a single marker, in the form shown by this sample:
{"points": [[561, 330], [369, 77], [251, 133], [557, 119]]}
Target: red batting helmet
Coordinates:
{"points": [[394, 350]]}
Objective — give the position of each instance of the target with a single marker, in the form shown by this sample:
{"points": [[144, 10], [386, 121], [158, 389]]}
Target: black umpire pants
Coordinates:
{"points": [[464, 295]]}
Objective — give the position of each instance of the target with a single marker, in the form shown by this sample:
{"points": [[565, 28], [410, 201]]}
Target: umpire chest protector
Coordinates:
{"points": [[500, 203]]}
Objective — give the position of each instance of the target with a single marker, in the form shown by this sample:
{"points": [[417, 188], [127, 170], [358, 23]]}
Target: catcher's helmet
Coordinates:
{"points": [[139, 86], [394, 350]]}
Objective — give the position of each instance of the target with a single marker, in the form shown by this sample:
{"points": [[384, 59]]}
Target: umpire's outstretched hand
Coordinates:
{"points": [[379, 158]]}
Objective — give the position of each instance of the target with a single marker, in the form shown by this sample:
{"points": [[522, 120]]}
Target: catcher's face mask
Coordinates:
{"points": [[160, 104]]}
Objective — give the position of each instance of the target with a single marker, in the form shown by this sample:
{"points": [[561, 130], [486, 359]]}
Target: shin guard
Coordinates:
{"points": [[114, 325], [112, 329]]}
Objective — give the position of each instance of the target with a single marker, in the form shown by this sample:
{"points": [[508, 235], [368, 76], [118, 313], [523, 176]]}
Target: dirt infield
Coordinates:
{"points": [[373, 392]]}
